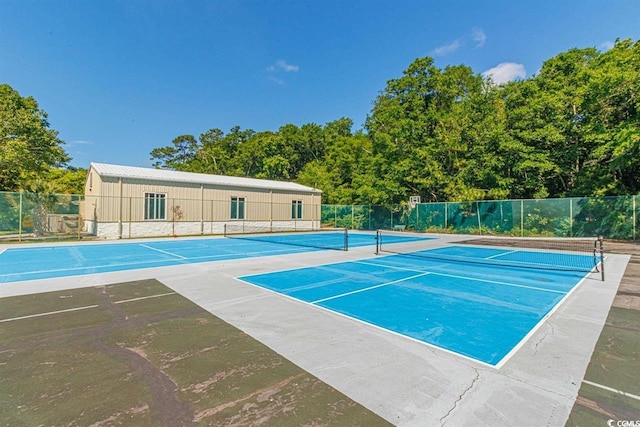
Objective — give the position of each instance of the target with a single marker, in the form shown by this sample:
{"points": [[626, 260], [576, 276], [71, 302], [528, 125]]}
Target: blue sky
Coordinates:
{"points": [[119, 78]]}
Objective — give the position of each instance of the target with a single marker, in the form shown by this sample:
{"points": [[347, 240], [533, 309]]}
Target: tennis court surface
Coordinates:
{"points": [[41, 262], [476, 310]]}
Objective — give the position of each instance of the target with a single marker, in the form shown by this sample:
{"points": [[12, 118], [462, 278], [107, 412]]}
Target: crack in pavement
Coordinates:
{"points": [[544, 336], [464, 392]]}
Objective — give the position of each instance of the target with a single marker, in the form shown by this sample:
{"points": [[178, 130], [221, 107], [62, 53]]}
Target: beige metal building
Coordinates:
{"points": [[127, 202]]}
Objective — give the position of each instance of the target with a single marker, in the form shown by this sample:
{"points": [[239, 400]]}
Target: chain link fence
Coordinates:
{"points": [[614, 217], [39, 216], [25, 216]]}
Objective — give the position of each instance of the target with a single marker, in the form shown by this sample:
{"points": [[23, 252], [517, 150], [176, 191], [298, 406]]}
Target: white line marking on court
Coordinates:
{"points": [[143, 298], [164, 252], [378, 327], [85, 307], [114, 267], [89, 267], [388, 266], [48, 313], [541, 322], [369, 288], [535, 288], [604, 387], [501, 254]]}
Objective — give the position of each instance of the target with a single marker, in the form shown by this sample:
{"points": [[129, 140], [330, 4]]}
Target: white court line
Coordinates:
{"points": [[85, 307], [534, 288], [114, 267], [90, 267], [143, 298], [164, 252], [604, 387], [49, 313], [501, 254], [369, 288]]}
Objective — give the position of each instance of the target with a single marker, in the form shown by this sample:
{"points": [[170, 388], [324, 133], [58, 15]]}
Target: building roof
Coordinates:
{"points": [[118, 171]]}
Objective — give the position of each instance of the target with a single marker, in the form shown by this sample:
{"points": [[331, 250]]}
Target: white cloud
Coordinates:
{"points": [[282, 65], [478, 36], [506, 72], [447, 49], [287, 67]]}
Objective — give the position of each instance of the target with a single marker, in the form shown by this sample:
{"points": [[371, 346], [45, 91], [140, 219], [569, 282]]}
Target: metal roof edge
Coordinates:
{"points": [[135, 172]]}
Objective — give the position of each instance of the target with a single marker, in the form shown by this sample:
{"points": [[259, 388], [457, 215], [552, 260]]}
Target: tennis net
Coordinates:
{"points": [[323, 238], [564, 254]]}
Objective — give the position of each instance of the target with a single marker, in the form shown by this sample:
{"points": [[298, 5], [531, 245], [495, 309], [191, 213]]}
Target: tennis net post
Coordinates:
{"points": [[601, 249]]}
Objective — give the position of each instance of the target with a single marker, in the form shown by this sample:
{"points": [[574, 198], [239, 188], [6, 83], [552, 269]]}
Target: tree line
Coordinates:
{"points": [[445, 134], [452, 135]]}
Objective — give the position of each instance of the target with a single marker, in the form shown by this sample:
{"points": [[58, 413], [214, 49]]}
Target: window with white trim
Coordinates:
{"points": [[155, 206], [237, 207], [296, 209]]}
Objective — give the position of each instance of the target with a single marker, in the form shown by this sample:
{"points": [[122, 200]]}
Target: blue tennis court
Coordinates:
{"points": [[476, 310], [22, 263]]}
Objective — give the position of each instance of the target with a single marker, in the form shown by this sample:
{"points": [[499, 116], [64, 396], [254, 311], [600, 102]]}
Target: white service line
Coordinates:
{"points": [[534, 288], [369, 288], [85, 307], [48, 313], [164, 252], [604, 387], [143, 298], [501, 254]]}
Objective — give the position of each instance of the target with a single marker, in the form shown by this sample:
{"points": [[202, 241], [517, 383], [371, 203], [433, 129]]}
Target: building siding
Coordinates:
{"points": [[190, 208]]}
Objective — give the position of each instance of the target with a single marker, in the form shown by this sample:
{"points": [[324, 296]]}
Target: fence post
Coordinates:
{"points": [[521, 218], [352, 215], [478, 214], [130, 215], [634, 217], [20, 218], [446, 215], [570, 217]]}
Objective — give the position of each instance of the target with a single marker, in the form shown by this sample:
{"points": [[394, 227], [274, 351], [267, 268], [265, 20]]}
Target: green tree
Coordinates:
{"points": [[432, 131], [611, 119], [28, 147], [67, 181], [177, 156]]}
